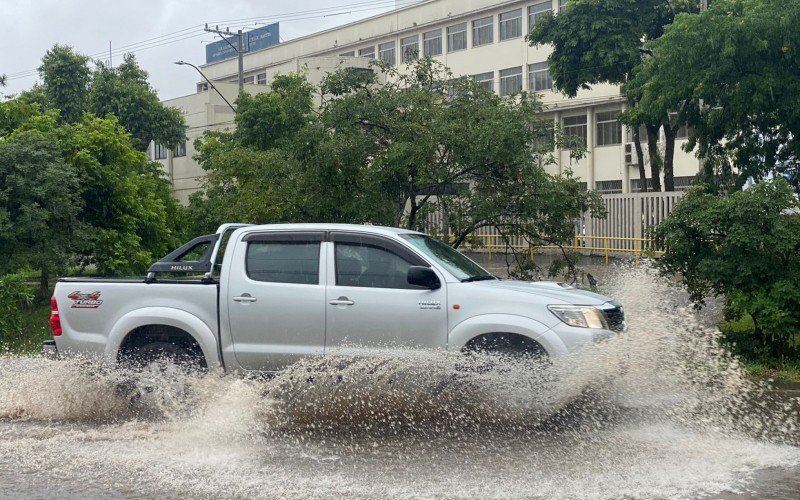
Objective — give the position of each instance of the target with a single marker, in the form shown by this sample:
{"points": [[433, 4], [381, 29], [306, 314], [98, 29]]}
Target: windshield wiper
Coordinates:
{"points": [[479, 278]]}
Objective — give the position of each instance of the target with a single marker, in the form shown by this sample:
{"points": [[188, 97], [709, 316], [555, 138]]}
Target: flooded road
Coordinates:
{"points": [[658, 412]]}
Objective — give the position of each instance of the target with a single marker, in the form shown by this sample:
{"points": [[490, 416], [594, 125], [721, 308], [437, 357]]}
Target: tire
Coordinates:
{"points": [[160, 376], [163, 354], [496, 351]]}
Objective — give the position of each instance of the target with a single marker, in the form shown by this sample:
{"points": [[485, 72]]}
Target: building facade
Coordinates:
{"points": [[484, 39]]}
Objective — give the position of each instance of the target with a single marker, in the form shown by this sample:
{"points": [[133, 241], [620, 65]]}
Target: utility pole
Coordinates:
{"points": [[238, 48], [703, 5]]}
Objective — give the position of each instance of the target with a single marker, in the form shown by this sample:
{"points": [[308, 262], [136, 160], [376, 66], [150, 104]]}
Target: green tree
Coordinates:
{"points": [[39, 204], [744, 248], [66, 78], [127, 202], [735, 71], [393, 153], [603, 41], [125, 93]]}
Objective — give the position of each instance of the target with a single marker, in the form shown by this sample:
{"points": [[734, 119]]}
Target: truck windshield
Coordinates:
{"points": [[456, 263]]}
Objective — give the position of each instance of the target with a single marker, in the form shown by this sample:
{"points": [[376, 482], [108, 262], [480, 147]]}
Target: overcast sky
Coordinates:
{"points": [[170, 29]]}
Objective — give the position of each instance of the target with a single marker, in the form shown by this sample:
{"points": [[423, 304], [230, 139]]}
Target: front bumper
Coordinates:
{"points": [[50, 349]]}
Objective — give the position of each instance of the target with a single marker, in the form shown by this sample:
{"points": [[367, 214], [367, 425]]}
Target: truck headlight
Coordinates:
{"points": [[581, 316]]}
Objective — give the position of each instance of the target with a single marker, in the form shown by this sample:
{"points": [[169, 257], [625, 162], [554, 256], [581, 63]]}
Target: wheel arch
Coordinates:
{"points": [[476, 327], [150, 319]]}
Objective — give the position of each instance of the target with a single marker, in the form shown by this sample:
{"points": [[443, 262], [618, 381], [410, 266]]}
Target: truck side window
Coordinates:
{"points": [[283, 262], [365, 265]]}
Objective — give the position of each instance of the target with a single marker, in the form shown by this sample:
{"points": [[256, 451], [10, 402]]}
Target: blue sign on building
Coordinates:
{"points": [[256, 39]]}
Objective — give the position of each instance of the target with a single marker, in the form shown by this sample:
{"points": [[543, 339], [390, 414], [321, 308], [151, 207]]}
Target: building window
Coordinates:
{"points": [[545, 137], [609, 130], [386, 52], [538, 11], [180, 150], [457, 37], [681, 183], [432, 43], [636, 185], [160, 152], [410, 48], [352, 53], [575, 127], [682, 132], [249, 80], [368, 52], [486, 80], [511, 81], [608, 187], [261, 78], [539, 77], [562, 4], [510, 24], [482, 31]]}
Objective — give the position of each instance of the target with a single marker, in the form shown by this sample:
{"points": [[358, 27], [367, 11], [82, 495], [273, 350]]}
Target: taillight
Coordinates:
{"points": [[55, 319]]}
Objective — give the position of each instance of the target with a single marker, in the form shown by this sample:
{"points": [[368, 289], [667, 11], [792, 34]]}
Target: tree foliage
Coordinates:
{"points": [[392, 153], [69, 86], [603, 41], [744, 248], [81, 194], [39, 204], [66, 78], [125, 93], [734, 73]]}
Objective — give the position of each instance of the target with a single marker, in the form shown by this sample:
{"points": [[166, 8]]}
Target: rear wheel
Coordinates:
{"points": [[160, 374], [162, 355]]}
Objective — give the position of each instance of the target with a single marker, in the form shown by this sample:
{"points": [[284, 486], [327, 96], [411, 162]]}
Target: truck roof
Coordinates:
{"points": [[332, 227]]}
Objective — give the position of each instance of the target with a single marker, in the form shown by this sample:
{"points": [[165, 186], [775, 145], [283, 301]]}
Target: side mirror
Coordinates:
{"points": [[424, 277]]}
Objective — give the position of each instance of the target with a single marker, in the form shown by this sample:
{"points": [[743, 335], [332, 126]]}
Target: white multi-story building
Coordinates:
{"points": [[484, 39]]}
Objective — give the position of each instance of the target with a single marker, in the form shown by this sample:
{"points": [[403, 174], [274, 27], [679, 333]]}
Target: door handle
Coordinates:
{"points": [[245, 297], [341, 301]]}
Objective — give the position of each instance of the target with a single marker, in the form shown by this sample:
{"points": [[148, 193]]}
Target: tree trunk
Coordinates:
{"points": [[669, 158], [44, 283], [637, 141], [655, 157]]}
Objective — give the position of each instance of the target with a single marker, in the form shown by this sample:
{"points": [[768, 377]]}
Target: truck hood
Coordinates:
{"points": [[559, 293]]}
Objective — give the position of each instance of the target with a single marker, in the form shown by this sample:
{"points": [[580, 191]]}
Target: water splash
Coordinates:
{"points": [[659, 411]]}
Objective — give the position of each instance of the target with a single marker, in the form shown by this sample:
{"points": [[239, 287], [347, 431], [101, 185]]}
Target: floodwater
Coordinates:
{"points": [[658, 412]]}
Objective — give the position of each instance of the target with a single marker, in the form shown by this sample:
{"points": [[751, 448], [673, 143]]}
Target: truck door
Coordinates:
{"points": [[369, 300], [276, 300]]}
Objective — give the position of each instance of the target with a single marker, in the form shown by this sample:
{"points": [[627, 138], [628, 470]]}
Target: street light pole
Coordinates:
{"points": [[184, 63]]}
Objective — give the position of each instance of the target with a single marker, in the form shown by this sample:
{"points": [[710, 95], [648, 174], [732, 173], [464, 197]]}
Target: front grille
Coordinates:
{"points": [[616, 318]]}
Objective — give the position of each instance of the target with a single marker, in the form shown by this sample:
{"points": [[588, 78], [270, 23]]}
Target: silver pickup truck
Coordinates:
{"points": [[261, 297]]}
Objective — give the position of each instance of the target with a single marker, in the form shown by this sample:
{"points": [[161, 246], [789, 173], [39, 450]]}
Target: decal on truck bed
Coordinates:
{"points": [[81, 300]]}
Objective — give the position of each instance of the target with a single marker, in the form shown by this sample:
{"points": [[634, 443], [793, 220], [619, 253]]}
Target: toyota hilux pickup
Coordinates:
{"points": [[258, 298]]}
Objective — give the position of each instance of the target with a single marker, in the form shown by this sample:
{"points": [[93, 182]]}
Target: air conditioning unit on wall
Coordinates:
{"points": [[630, 153]]}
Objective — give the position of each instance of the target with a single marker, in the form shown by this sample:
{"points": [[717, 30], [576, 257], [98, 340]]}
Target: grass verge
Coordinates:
{"points": [[35, 330]]}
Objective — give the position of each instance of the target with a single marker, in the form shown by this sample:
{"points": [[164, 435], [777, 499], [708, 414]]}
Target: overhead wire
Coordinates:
{"points": [[197, 30]]}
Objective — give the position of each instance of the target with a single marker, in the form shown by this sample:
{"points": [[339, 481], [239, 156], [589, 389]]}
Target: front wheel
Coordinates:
{"points": [[504, 350]]}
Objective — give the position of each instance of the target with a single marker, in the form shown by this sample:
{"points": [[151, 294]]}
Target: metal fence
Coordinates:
{"points": [[624, 232]]}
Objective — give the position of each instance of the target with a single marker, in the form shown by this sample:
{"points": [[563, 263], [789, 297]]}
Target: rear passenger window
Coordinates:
{"points": [[366, 265], [283, 262]]}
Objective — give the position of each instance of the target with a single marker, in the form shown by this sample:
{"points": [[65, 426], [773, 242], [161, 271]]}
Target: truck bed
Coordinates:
{"points": [[96, 314]]}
